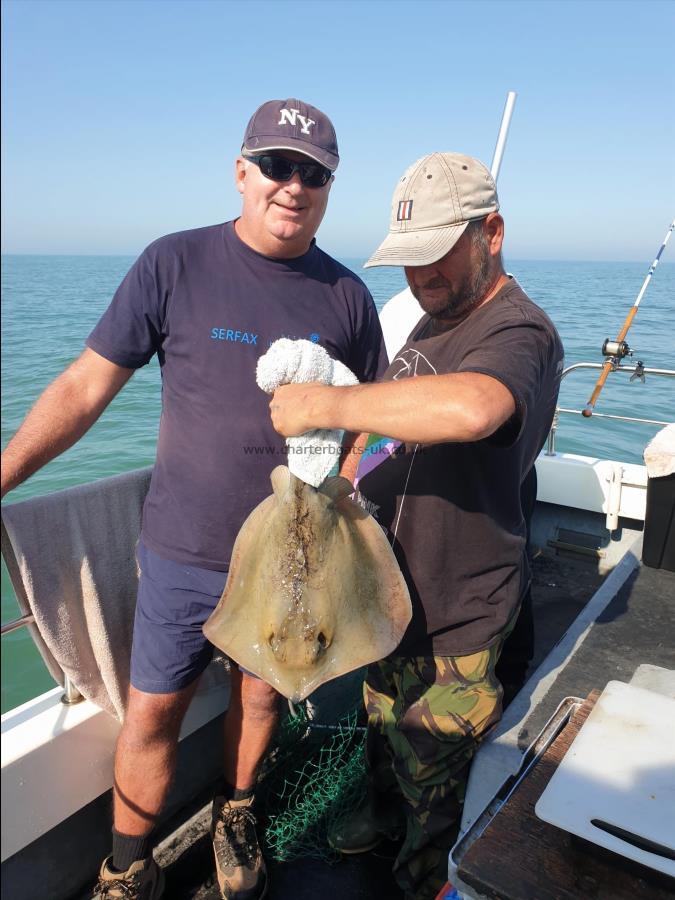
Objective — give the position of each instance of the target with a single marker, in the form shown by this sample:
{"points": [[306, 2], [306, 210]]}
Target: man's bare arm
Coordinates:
{"points": [[65, 410], [466, 406]]}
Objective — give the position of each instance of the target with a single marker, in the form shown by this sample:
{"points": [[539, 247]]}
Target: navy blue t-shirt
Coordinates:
{"points": [[210, 306]]}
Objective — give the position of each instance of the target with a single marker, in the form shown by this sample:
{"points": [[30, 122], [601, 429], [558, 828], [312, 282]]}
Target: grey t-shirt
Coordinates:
{"points": [[210, 306], [453, 511]]}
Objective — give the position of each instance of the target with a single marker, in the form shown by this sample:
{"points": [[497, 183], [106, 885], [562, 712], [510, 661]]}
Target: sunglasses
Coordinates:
{"points": [[278, 168]]}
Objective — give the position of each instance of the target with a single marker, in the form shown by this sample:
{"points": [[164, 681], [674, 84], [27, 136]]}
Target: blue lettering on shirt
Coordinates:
{"points": [[313, 337], [236, 337]]}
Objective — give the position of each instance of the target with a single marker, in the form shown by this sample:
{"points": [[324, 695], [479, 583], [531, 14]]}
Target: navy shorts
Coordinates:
{"points": [[169, 649]]}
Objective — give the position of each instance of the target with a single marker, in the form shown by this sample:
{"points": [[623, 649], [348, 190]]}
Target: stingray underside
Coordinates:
{"points": [[314, 589]]}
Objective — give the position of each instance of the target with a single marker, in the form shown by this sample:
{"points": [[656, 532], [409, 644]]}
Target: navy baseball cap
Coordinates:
{"points": [[292, 125]]}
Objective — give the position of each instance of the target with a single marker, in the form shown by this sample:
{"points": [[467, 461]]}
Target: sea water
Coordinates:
{"points": [[51, 303]]}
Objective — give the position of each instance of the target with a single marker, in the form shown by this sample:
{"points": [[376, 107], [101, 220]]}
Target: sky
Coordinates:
{"points": [[121, 119]]}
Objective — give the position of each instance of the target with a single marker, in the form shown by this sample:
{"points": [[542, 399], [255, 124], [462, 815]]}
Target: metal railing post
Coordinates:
{"points": [[550, 443], [71, 694]]}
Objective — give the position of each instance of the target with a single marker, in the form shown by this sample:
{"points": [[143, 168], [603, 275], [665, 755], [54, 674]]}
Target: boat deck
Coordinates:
{"points": [[365, 877], [635, 628]]}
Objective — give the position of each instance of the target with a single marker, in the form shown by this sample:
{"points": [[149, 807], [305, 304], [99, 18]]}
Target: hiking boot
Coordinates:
{"points": [[143, 880], [368, 826], [240, 866]]}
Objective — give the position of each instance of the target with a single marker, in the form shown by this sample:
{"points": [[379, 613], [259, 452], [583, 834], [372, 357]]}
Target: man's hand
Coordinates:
{"points": [[294, 408], [290, 417]]}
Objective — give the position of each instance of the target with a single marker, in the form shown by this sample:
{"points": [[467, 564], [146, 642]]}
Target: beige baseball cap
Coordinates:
{"points": [[433, 203]]}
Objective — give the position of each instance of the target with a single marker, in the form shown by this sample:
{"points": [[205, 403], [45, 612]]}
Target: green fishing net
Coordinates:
{"points": [[314, 776]]}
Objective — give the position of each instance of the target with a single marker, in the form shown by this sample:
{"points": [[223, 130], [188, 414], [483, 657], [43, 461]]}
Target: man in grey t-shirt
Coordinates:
{"points": [[451, 433], [208, 302]]}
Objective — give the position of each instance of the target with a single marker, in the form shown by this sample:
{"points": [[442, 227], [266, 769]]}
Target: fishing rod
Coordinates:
{"points": [[618, 349]]}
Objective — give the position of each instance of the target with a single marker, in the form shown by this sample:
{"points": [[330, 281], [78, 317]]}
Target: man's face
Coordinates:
{"points": [[279, 218], [451, 287]]}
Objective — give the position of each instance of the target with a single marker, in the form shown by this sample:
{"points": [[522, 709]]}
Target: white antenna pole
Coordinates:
{"points": [[503, 132]]}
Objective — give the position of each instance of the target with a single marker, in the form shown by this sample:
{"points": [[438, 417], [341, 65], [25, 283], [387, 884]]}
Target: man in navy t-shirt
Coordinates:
{"points": [[208, 302]]}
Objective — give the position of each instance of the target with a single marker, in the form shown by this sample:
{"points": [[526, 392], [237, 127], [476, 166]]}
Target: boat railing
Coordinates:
{"points": [[638, 371], [70, 692]]}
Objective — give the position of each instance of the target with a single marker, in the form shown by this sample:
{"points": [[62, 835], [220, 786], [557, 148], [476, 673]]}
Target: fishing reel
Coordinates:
{"points": [[616, 349], [614, 352]]}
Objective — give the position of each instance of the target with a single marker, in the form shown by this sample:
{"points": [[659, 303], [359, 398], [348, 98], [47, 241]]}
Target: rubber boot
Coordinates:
{"points": [[380, 818]]}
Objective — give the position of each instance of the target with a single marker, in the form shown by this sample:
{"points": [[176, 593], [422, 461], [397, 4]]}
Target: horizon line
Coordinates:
{"points": [[335, 256]]}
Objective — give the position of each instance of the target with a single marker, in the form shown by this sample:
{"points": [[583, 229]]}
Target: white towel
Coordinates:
{"points": [[75, 556], [311, 456], [71, 556], [659, 454]]}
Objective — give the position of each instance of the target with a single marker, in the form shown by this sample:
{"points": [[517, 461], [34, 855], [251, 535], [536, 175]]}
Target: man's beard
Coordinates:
{"points": [[456, 303]]}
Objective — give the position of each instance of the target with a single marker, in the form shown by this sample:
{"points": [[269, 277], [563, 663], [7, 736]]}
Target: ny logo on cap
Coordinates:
{"points": [[404, 213], [288, 116]]}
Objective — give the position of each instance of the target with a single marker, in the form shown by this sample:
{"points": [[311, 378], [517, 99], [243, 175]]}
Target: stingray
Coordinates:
{"points": [[314, 589]]}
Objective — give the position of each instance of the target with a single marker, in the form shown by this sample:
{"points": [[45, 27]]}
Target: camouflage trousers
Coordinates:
{"points": [[426, 716]]}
